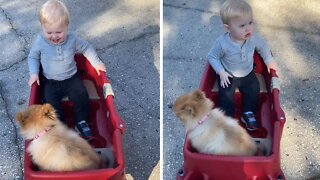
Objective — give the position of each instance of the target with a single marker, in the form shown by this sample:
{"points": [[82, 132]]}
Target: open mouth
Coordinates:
{"points": [[248, 34], [55, 41]]}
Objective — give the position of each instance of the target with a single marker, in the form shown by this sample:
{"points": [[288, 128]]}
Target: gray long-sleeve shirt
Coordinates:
{"points": [[58, 60], [235, 58]]}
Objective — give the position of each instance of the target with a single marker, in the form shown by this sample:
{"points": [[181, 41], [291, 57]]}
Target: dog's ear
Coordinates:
{"points": [[48, 111], [20, 117], [198, 95]]}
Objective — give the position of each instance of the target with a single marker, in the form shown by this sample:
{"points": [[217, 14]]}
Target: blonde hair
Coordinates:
{"points": [[231, 9], [54, 11]]}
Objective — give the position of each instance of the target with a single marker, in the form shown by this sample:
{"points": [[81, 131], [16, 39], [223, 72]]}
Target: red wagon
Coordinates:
{"points": [[106, 124], [265, 166]]}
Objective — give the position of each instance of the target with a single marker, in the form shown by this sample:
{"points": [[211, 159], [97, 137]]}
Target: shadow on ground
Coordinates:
{"points": [[190, 28], [126, 40]]}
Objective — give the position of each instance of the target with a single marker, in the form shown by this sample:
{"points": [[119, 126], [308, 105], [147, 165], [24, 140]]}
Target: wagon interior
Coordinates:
{"points": [[99, 119], [264, 114]]}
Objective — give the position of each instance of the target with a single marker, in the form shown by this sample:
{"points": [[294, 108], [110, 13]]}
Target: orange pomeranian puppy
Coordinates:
{"points": [[54, 147], [210, 130]]}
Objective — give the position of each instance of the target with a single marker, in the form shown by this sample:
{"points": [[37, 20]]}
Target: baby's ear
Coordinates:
{"points": [[226, 27], [48, 111], [198, 95]]}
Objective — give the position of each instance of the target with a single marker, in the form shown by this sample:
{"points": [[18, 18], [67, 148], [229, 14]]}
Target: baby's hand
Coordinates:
{"points": [[100, 67], [272, 65], [224, 78], [34, 78]]}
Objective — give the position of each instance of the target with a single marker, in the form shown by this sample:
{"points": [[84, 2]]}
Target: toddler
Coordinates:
{"points": [[232, 59], [54, 49]]}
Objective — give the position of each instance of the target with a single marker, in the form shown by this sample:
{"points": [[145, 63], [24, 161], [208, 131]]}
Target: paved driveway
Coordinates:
{"points": [[291, 29], [126, 36]]}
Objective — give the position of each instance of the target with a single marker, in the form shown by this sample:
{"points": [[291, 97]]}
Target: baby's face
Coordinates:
{"points": [[241, 28], [55, 33]]}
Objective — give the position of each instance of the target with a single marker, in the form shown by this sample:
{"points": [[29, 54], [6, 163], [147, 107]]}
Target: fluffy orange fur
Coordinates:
{"points": [[60, 149], [219, 134]]}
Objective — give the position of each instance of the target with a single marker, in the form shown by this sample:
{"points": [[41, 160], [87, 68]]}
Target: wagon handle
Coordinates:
{"points": [[33, 93], [207, 82], [119, 122], [275, 82], [109, 96], [275, 90]]}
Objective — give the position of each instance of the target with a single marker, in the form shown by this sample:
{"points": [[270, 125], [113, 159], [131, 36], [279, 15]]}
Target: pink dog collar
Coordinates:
{"points": [[203, 119], [41, 134]]}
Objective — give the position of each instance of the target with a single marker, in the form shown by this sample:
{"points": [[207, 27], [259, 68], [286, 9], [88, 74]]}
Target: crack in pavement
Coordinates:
{"points": [[14, 128], [17, 62], [20, 36], [140, 36], [184, 58], [6, 15], [188, 8]]}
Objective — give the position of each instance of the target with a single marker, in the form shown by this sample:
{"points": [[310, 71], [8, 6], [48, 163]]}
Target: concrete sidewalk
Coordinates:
{"points": [[291, 29], [126, 36]]}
